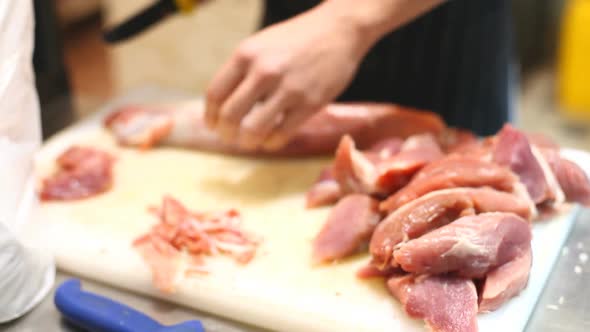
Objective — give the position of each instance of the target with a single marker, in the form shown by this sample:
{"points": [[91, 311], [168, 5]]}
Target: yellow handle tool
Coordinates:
{"points": [[186, 6], [146, 18], [573, 74]]}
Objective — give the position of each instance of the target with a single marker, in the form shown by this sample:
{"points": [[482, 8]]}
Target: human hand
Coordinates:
{"points": [[279, 77]]}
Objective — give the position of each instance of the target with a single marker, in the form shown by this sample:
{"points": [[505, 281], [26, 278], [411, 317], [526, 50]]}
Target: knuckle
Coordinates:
{"points": [[267, 70], [295, 91], [245, 52], [312, 101], [228, 116], [250, 126]]}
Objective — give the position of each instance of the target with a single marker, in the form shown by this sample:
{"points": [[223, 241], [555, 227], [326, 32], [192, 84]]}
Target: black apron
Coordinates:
{"points": [[455, 60]]}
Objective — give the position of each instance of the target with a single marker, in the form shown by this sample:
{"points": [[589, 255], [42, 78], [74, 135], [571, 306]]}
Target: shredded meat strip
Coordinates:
{"points": [[198, 234]]}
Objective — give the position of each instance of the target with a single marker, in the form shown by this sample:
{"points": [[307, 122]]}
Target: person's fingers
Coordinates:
{"points": [[259, 123], [225, 81], [252, 89], [281, 135]]}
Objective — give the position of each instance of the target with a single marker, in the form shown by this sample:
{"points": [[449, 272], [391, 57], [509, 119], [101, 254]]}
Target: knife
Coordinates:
{"points": [[95, 313], [146, 18]]}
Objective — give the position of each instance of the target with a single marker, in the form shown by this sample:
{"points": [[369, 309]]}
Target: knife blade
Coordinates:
{"points": [[140, 22]]}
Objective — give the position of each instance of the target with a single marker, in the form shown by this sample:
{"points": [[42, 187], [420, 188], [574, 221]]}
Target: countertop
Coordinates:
{"points": [[562, 307]]}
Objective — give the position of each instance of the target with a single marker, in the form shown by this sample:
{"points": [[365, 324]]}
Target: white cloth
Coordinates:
{"points": [[26, 274]]}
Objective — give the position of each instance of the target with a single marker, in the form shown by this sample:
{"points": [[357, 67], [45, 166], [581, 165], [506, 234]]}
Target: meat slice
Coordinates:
{"points": [[416, 152], [555, 196], [82, 172], [452, 139], [505, 282], [446, 303], [348, 227], [469, 247], [182, 124], [386, 148], [452, 172], [542, 141], [325, 190], [354, 172], [513, 150], [366, 123], [572, 179], [371, 271], [136, 125], [357, 173], [437, 209]]}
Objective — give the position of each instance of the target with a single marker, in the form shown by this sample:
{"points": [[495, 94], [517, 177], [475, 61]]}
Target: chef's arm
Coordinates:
{"points": [[376, 18], [279, 77]]}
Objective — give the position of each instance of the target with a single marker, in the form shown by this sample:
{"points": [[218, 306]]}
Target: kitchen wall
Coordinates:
{"points": [[184, 52]]}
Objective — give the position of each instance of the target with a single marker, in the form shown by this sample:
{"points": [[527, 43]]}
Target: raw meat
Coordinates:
{"points": [[453, 139], [348, 227], [446, 303], [163, 259], [452, 172], [183, 125], [481, 149], [356, 173], [572, 179], [542, 141], [512, 149], [384, 149], [82, 172], [437, 209], [134, 126], [469, 247], [370, 271], [416, 152], [505, 282], [555, 196], [198, 234], [325, 190]]}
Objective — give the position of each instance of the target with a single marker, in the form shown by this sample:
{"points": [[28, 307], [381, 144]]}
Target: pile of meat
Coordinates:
{"points": [[446, 218], [82, 172], [181, 234]]}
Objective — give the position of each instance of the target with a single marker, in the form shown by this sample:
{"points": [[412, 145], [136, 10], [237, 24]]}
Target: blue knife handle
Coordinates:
{"points": [[96, 313]]}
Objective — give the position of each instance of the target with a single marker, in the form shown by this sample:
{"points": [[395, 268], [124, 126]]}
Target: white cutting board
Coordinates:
{"points": [[279, 289]]}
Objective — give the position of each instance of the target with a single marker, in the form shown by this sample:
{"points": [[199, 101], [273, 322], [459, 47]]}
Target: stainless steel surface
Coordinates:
{"points": [[46, 318], [565, 302], [562, 306]]}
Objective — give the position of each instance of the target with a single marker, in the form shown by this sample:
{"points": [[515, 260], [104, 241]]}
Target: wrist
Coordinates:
{"points": [[373, 19], [357, 26]]}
